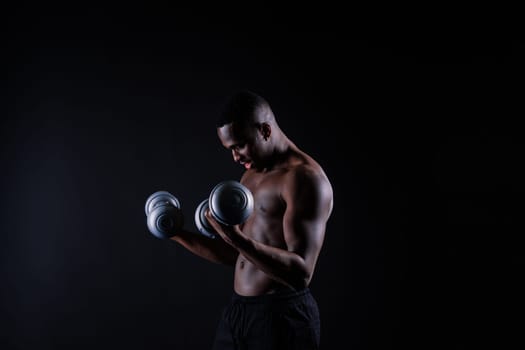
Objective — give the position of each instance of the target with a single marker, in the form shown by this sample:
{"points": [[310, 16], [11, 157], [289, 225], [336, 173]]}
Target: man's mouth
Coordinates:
{"points": [[247, 165]]}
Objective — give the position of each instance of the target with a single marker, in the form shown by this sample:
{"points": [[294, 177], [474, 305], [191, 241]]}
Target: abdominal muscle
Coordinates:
{"points": [[249, 280]]}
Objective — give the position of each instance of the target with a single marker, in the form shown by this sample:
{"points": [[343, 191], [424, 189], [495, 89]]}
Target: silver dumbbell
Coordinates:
{"points": [[230, 203], [164, 217]]}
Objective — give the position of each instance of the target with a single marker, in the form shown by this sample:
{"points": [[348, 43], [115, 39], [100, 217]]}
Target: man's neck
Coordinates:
{"points": [[280, 154]]}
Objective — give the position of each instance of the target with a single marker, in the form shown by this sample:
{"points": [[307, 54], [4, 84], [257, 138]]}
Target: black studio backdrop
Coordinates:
{"points": [[417, 133]]}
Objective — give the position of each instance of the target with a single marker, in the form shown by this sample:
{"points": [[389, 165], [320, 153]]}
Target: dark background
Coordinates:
{"points": [[416, 123]]}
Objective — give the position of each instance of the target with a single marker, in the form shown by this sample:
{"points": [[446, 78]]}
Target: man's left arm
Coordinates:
{"points": [[308, 198]]}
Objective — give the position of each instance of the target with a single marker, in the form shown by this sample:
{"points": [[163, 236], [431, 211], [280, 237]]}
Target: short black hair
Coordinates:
{"points": [[240, 108]]}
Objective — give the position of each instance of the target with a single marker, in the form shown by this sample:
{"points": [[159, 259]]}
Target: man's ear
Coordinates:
{"points": [[266, 130]]}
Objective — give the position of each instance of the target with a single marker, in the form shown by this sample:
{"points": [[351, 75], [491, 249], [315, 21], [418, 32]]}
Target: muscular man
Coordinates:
{"points": [[276, 249]]}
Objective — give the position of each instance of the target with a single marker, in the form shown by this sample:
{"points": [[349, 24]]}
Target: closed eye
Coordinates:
{"points": [[237, 146]]}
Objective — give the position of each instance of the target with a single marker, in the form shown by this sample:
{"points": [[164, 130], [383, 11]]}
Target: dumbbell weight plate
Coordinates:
{"points": [[231, 203], [201, 222], [165, 221], [160, 198]]}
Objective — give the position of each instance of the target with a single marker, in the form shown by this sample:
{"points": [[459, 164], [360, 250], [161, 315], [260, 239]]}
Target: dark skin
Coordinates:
{"points": [[279, 244]]}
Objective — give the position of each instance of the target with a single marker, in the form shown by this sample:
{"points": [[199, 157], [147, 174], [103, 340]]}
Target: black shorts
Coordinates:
{"points": [[284, 320]]}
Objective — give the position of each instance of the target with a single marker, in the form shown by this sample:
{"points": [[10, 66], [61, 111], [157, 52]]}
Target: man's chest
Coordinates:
{"points": [[267, 193]]}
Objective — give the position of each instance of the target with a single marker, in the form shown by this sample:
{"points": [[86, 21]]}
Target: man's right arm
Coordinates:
{"points": [[213, 249]]}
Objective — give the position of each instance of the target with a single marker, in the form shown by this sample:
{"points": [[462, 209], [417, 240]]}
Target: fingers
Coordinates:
{"points": [[212, 221]]}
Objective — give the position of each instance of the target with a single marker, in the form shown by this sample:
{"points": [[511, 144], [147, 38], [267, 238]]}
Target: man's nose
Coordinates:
{"points": [[236, 156]]}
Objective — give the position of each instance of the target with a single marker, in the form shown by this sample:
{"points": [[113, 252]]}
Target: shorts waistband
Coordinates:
{"points": [[281, 295]]}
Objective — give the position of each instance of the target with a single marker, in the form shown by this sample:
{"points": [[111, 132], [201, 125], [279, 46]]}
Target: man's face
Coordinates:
{"points": [[242, 142]]}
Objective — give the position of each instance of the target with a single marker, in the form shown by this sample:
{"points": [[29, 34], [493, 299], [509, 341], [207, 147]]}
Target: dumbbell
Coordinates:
{"points": [[229, 202], [164, 216]]}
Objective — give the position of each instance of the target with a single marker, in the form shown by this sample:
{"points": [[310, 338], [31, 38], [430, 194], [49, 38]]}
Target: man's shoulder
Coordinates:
{"points": [[307, 173], [308, 183]]}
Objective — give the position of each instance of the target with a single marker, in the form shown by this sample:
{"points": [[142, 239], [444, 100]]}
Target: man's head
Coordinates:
{"points": [[247, 127]]}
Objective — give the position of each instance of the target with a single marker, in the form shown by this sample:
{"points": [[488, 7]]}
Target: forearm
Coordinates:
{"points": [[214, 250], [281, 265]]}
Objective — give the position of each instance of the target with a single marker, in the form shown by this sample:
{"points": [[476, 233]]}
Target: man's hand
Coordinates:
{"points": [[227, 233]]}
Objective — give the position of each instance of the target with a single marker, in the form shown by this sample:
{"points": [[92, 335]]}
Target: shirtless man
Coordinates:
{"points": [[275, 251]]}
